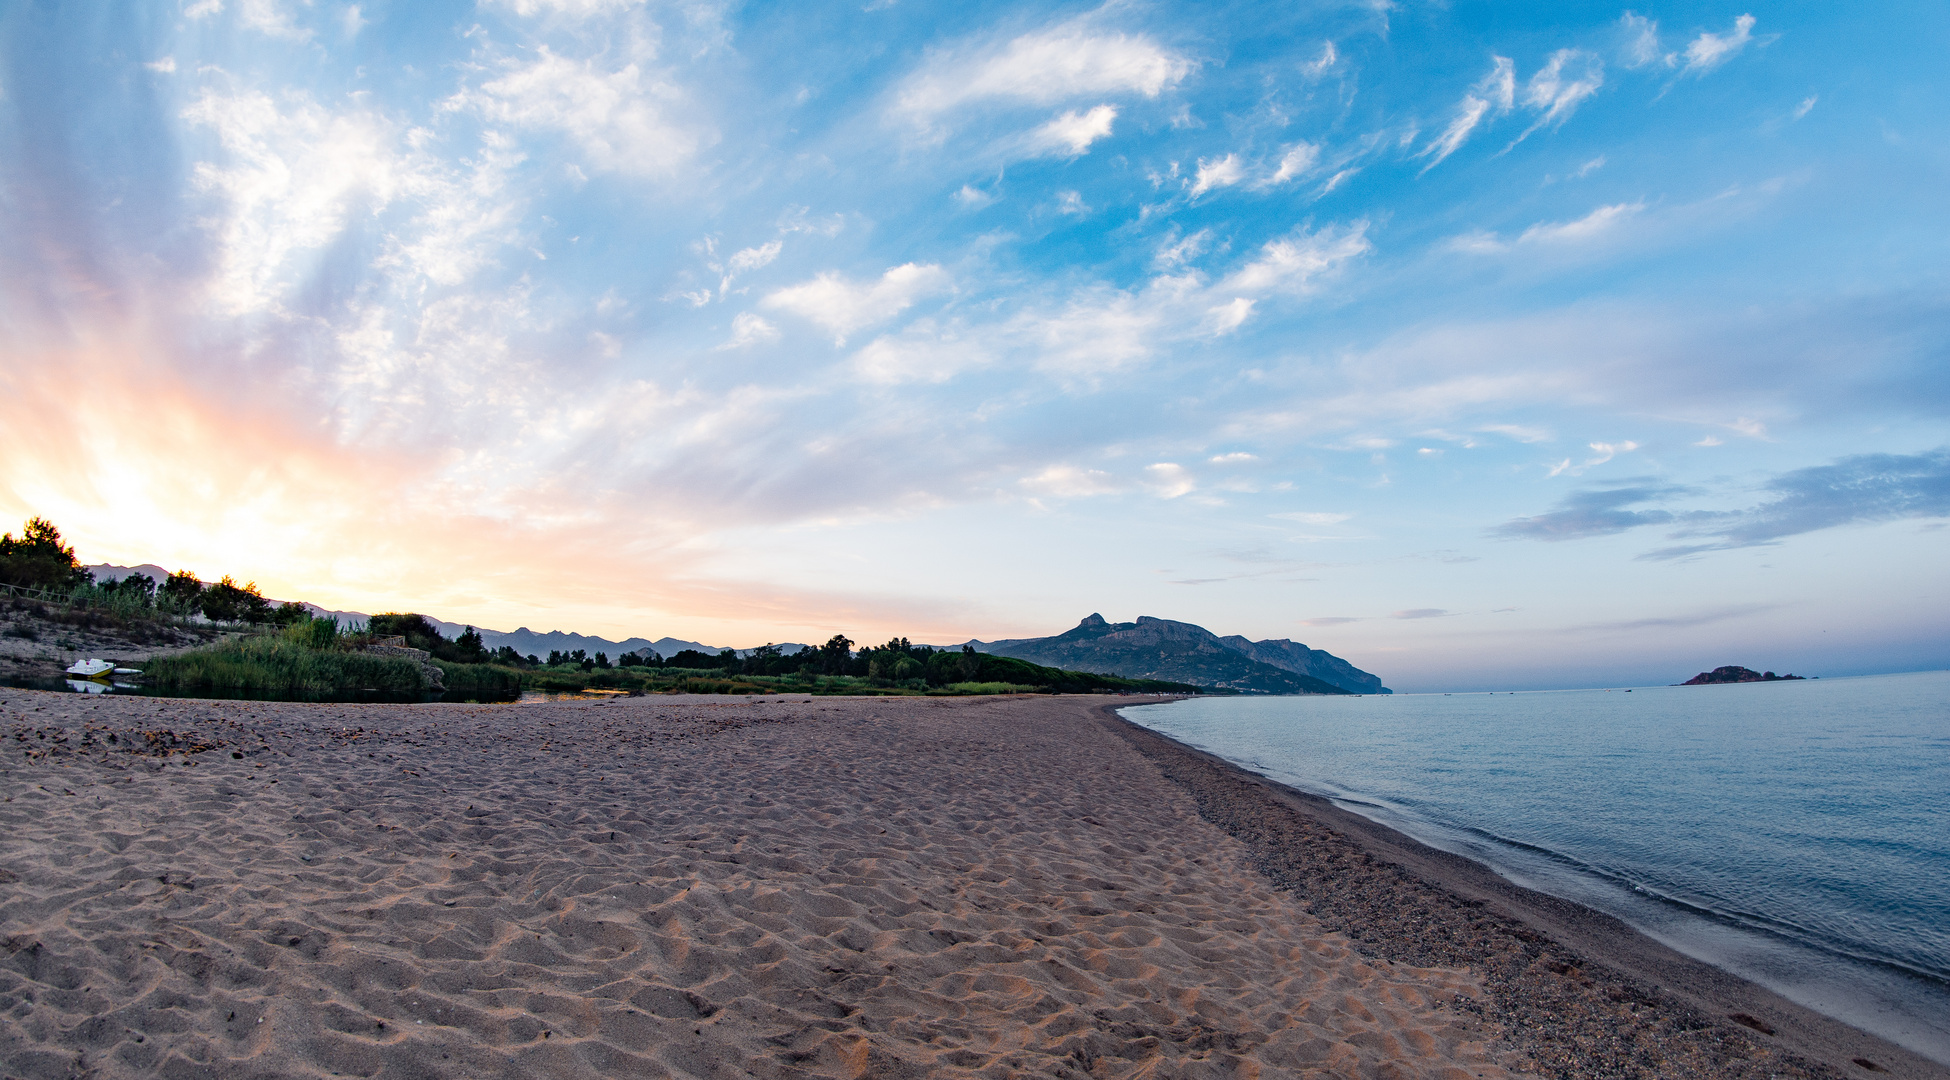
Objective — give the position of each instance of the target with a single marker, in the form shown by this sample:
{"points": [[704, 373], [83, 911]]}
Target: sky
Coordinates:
{"points": [[1484, 345]]}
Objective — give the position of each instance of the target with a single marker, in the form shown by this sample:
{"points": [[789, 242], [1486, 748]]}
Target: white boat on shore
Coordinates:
{"points": [[91, 669]]}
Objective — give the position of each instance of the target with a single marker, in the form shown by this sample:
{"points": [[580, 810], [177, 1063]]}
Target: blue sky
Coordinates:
{"points": [[1487, 346]]}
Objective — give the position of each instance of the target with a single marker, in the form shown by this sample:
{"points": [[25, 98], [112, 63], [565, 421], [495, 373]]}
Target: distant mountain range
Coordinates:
{"points": [[524, 641], [1182, 652], [1146, 649]]}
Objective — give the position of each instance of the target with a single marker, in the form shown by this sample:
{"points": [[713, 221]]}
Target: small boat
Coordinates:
{"points": [[128, 671], [91, 669]]}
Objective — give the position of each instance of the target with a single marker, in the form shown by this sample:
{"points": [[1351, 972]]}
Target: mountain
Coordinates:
{"points": [[525, 641], [532, 643], [1297, 658], [1162, 649], [110, 572]]}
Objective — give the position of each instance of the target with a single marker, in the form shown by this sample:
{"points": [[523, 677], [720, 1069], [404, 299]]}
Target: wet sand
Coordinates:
{"points": [[713, 887]]}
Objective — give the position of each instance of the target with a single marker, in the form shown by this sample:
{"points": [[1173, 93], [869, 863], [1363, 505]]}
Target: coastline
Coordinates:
{"points": [[1577, 989]]}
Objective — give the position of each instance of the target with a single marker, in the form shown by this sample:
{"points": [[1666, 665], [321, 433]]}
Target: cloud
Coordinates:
{"points": [[1592, 513], [1521, 433], [1169, 480], [290, 180], [1422, 613], [748, 330], [623, 120], [1571, 76], [268, 17], [922, 353], [1865, 488], [1293, 264], [1589, 227], [1070, 482], [1298, 161], [1606, 451], [1228, 317], [752, 258], [1329, 620], [1071, 202], [843, 306], [579, 9], [1674, 622], [1067, 61], [1096, 333], [1177, 251], [164, 66], [1311, 518], [1494, 95], [973, 198], [1072, 133], [1641, 41], [1317, 68], [1217, 173], [1807, 105], [1710, 50]]}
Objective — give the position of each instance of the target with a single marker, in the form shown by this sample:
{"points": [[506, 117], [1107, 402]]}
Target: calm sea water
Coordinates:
{"points": [[1794, 833]]}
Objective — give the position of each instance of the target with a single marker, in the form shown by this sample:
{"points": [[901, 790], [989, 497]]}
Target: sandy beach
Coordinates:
{"points": [[713, 887]]}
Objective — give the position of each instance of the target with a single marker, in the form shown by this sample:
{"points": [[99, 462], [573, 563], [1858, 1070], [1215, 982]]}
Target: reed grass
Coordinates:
{"points": [[274, 663]]}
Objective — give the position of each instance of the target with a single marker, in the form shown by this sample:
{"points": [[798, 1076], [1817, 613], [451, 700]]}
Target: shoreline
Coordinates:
{"points": [[1293, 834]]}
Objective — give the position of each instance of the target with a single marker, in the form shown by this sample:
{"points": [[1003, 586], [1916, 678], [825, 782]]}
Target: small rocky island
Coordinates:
{"points": [[1734, 674]]}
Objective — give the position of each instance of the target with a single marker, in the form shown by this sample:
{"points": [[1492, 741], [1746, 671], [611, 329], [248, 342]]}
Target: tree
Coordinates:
{"points": [[836, 655], [469, 648], [184, 588], [38, 560], [142, 587], [227, 601]]}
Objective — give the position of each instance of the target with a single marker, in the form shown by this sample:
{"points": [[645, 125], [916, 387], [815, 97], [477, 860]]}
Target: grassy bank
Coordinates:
{"points": [[276, 664]]}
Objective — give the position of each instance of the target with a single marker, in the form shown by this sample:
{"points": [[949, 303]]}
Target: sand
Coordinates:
{"points": [[718, 888]]}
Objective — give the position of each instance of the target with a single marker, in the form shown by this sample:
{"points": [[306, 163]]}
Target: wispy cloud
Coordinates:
{"points": [[1295, 263], [1594, 513], [1422, 613], [1709, 50], [1493, 96], [1069, 60], [1865, 488], [1641, 41], [1598, 223], [1299, 160], [1571, 76]]}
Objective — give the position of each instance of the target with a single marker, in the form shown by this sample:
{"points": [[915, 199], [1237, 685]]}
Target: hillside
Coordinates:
{"points": [[1152, 648]]}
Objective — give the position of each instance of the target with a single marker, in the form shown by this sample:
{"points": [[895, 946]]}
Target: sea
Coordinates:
{"points": [[1796, 834]]}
